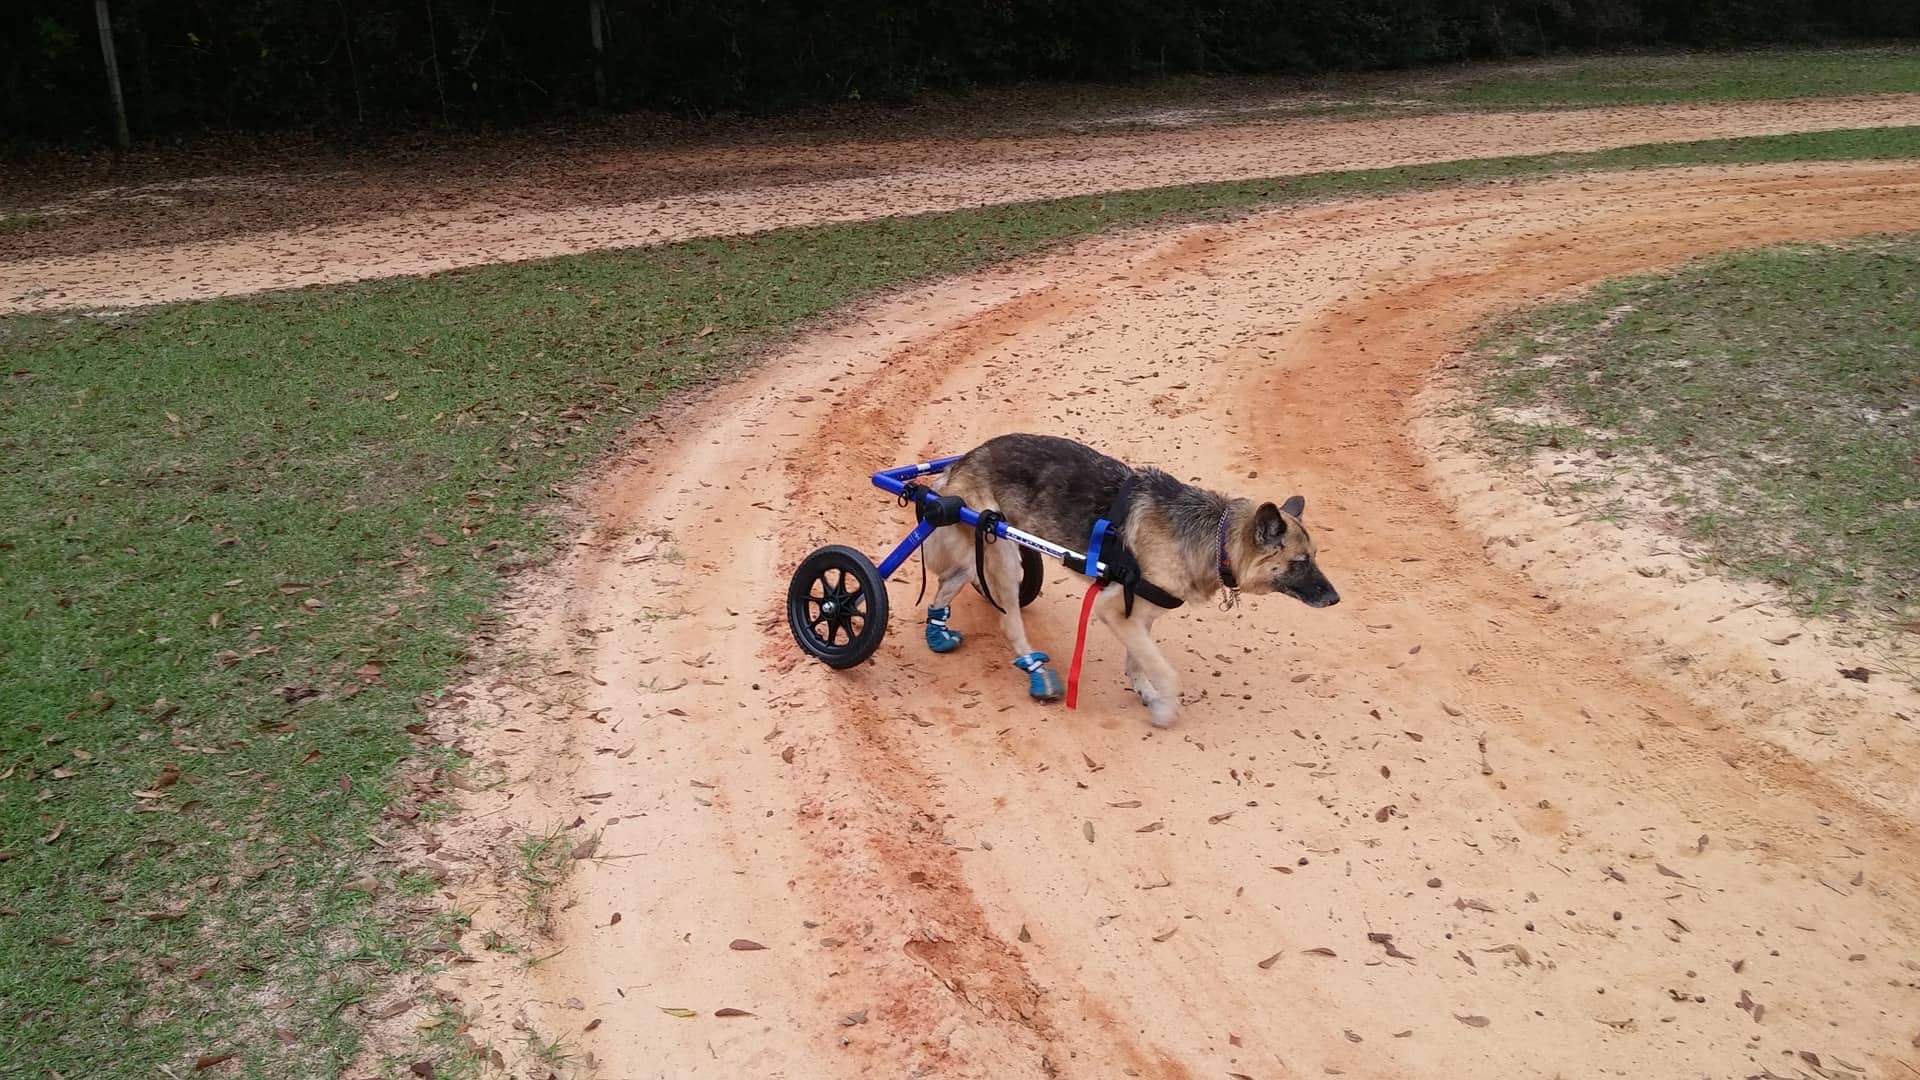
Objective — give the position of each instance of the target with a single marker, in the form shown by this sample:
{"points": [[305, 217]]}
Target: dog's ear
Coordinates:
{"points": [[1269, 528], [1296, 506]]}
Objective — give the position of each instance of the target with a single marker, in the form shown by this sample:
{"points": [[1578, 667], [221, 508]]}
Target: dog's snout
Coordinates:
{"points": [[1331, 598]]}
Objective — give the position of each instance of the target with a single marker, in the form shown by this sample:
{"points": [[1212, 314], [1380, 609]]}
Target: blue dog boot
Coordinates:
{"points": [[1042, 681], [939, 638]]}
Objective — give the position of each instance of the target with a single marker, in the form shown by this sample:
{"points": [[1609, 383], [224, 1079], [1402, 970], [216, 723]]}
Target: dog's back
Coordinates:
{"points": [[1052, 487]]}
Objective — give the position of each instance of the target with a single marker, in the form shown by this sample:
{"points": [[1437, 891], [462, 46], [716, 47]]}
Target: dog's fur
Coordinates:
{"points": [[1056, 488]]}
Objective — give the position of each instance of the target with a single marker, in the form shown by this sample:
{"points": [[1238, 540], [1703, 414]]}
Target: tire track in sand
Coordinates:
{"points": [[908, 838]]}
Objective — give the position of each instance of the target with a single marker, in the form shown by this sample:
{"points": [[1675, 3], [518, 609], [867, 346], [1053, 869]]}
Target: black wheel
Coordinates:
{"points": [[1032, 569], [837, 606]]}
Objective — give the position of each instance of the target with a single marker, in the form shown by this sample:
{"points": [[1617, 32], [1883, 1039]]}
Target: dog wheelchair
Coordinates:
{"points": [[837, 599]]}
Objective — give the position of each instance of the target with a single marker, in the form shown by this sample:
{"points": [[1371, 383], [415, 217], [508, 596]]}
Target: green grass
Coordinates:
{"points": [[19, 221], [242, 537], [1769, 401], [1646, 80]]}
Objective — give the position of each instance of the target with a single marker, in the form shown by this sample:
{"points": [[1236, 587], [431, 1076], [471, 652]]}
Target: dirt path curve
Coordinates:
{"points": [[1615, 830], [893, 179]]}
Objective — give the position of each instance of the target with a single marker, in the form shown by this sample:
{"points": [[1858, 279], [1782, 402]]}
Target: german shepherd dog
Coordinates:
{"points": [[1189, 541]]}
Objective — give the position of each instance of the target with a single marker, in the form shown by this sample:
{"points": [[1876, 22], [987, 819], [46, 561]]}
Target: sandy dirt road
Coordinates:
{"points": [[607, 199], [1614, 829]]}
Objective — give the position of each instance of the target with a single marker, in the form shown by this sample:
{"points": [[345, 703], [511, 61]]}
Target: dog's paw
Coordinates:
{"points": [[1143, 690], [1162, 713]]}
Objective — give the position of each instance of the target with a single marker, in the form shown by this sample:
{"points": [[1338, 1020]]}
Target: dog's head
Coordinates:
{"points": [[1279, 556]]}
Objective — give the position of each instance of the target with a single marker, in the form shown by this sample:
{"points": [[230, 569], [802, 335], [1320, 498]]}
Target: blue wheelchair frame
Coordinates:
{"points": [[897, 481]]}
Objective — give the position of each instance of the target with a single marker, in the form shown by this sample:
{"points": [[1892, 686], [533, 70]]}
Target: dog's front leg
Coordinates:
{"points": [[1137, 675], [1154, 679]]}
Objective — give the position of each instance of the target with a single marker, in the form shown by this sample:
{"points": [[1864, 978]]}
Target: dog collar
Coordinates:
{"points": [[1227, 576]]}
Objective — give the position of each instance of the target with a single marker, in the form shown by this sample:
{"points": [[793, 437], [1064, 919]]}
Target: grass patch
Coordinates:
{"points": [[12, 223], [239, 538], [1686, 77], [1769, 400]]}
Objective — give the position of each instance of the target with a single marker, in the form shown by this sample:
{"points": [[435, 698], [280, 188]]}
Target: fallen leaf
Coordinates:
{"points": [[585, 848], [741, 944], [1472, 1021], [853, 1018], [787, 755], [1407, 1034], [55, 834], [1415, 736], [1130, 804], [592, 1024], [1025, 937], [1857, 674], [1092, 765], [1268, 962], [388, 1011], [208, 1061], [1218, 818], [1666, 872], [1464, 904], [1384, 812], [1617, 1025], [1166, 936], [1320, 950], [1449, 709], [1087, 828], [1387, 940], [422, 1069], [681, 1013], [169, 775], [731, 1012], [1155, 827], [1519, 953], [704, 331], [615, 920]]}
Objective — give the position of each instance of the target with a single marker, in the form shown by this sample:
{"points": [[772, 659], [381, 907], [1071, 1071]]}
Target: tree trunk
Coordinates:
{"points": [[597, 16], [353, 67], [121, 136], [439, 84]]}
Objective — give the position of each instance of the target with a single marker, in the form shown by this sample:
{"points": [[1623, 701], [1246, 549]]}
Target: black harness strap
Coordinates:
{"points": [[983, 535], [1121, 567]]}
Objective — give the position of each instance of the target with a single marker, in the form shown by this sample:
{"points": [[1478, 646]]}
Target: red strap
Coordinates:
{"points": [[1080, 644]]}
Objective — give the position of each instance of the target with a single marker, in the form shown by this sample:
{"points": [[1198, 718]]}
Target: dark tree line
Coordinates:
{"points": [[189, 65]]}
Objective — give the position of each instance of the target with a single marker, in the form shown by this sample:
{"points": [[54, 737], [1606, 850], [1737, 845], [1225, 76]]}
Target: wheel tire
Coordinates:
{"points": [[837, 607], [1033, 569]]}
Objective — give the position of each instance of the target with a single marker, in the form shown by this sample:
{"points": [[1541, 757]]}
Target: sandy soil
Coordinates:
{"points": [[1614, 829], [597, 197]]}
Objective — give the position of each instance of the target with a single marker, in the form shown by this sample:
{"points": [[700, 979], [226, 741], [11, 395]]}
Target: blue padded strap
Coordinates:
{"points": [[1099, 539]]}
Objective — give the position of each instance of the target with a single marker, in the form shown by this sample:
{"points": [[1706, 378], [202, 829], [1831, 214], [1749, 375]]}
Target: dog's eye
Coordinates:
{"points": [[1299, 563]]}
